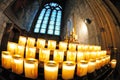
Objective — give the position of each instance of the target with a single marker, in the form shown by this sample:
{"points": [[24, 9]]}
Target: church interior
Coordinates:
{"points": [[60, 39]]}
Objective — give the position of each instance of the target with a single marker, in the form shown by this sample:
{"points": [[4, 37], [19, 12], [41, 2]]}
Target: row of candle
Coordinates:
{"points": [[51, 44], [58, 55], [51, 67]]}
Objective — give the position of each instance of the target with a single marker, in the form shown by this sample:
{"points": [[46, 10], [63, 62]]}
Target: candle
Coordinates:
{"points": [[6, 59], [31, 68], [58, 55], [97, 66], [68, 70], [92, 55], [80, 47], [51, 44], [22, 40], [82, 68], [91, 66], [30, 52], [86, 55], [30, 42], [71, 55], [44, 54], [40, 43], [72, 47], [50, 70], [11, 47], [20, 50], [63, 46], [80, 56], [17, 64], [113, 63]]}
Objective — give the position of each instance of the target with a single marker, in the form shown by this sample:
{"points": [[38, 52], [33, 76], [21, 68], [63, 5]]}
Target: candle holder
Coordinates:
{"points": [[17, 64], [22, 40], [20, 50], [30, 52], [44, 54], [68, 70], [63, 46], [31, 68], [51, 70], [82, 69], [51, 44], [11, 47], [72, 46], [40, 43], [6, 59], [113, 63], [71, 56], [30, 42], [80, 56]]}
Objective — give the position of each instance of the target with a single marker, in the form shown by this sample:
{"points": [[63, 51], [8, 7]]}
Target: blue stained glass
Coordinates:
{"points": [[36, 30], [57, 32], [51, 27], [50, 31], [37, 26], [39, 21], [42, 30]]}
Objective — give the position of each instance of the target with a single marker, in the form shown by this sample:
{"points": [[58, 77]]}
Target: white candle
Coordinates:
{"points": [[6, 59], [44, 54], [58, 55], [82, 68], [50, 70], [31, 68], [92, 55], [51, 44], [98, 65], [113, 63], [71, 55], [72, 47], [91, 66], [63, 46], [80, 56], [86, 55], [17, 64], [40, 43], [20, 50], [11, 47], [30, 42], [68, 70], [22, 40], [30, 52]]}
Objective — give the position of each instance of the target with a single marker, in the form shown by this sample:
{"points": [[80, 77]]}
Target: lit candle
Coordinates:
{"points": [[50, 70], [22, 40], [31, 68], [58, 55], [80, 56], [91, 66], [97, 66], [113, 63], [6, 59], [44, 54], [51, 44], [11, 47], [86, 55], [72, 47], [17, 64], [40, 43], [92, 55], [71, 55], [20, 50], [30, 42], [80, 47], [30, 52], [68, 70], [63, 46], [82, 68]]}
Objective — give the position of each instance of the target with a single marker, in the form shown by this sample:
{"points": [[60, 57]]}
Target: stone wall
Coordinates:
{"points": [[3, 18]]}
